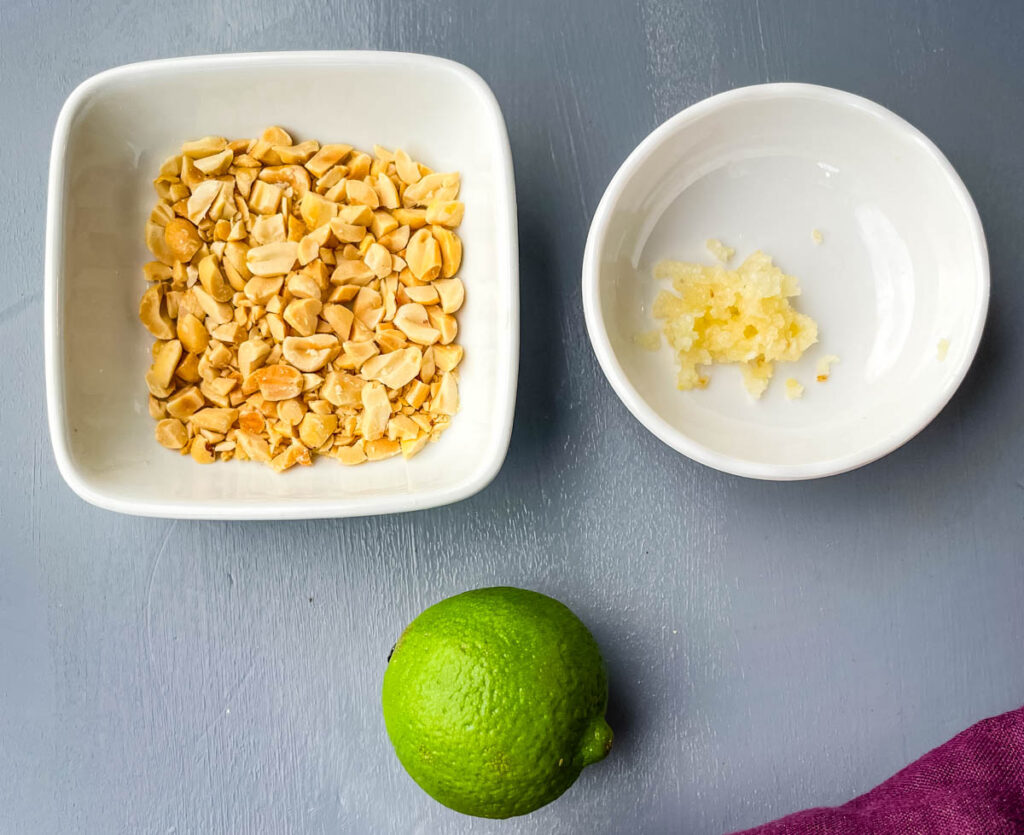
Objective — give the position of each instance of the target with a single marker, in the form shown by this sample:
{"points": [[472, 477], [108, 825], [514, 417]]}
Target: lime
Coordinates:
{"points": [[494, 700]]}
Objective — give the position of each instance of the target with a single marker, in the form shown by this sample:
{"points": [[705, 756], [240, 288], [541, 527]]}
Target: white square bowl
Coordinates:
{"points": [[111, 136]]}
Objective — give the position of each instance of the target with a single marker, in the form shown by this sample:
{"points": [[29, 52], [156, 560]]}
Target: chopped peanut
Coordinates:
{"points": [[302, 301]]}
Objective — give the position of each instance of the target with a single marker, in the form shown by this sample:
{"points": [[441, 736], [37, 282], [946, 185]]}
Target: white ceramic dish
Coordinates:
{"points": [[110, 139], [902, 266]]}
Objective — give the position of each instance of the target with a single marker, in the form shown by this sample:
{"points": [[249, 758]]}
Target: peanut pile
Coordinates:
{"points": [[302, 300]]}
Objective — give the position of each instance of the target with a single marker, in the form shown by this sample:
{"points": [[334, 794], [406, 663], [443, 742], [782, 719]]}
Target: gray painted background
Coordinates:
{"points": [[771, 646]]}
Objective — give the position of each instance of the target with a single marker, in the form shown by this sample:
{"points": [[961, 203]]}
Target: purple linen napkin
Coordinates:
{"points": [[971, 785]]}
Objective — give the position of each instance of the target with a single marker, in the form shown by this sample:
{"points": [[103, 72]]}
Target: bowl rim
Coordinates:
{"points": [[680, 441], [493, 457]]}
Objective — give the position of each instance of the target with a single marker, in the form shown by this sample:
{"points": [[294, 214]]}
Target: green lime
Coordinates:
{"points": [[494, 700]]}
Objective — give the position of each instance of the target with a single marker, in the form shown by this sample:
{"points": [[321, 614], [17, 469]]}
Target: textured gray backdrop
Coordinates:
{"points": [[771, 646]]}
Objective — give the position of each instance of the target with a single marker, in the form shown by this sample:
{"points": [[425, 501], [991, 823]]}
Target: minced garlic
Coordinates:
{"points": [[942, 349], [825, 367], [794, 391], [817, 237], [741, 316], [719, 250]]}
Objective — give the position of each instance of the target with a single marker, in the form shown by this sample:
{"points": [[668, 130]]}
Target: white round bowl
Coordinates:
{"points": [[901, 270]]}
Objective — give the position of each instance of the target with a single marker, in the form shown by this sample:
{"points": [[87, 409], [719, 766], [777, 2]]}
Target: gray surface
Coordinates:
{"points": [[771, 646]]}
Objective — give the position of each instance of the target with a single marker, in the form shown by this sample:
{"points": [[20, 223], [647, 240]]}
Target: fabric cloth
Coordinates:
{"points": [[971, 785]]}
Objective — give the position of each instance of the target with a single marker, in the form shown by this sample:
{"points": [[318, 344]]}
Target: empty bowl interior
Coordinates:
{"points": [[125, 125], [900, 268]]}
